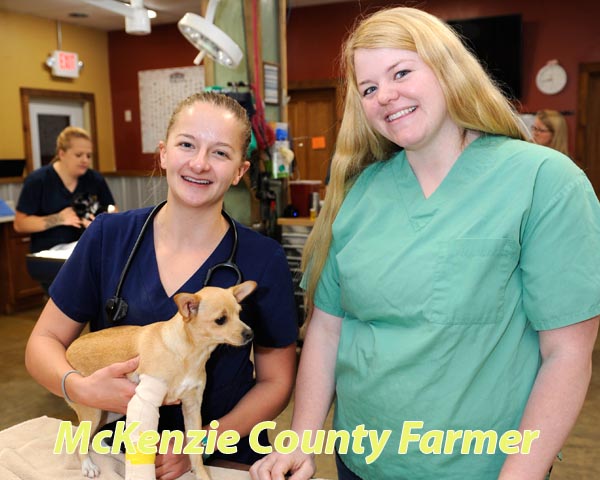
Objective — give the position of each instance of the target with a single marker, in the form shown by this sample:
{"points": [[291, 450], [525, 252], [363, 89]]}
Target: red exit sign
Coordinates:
{"points": [[66, 64]]}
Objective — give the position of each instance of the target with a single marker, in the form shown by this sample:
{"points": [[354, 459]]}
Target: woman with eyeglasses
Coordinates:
{"points": [[550, 129]]}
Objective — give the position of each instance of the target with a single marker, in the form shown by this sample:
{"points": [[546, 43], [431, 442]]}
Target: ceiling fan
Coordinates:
{"points": [[137, 18]]}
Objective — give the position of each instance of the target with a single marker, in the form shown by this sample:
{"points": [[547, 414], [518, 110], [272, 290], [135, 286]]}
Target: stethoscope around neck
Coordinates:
{"points": [[116, 307]]}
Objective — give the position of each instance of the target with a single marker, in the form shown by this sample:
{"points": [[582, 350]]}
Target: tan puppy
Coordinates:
{"points": [[172, 362]]}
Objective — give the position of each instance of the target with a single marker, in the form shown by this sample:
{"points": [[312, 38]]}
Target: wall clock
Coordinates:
{"points": [[551, 78]]}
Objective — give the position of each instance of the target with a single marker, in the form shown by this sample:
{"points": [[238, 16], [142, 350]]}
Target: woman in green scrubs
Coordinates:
{"points": [[454, 274]]}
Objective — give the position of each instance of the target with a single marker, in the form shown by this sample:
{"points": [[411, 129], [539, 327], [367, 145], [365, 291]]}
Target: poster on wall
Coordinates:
{"points": [[160, 92]]}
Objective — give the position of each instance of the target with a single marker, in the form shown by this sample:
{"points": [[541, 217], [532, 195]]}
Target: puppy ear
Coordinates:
{"points": [[242, 290], [188, 305]]}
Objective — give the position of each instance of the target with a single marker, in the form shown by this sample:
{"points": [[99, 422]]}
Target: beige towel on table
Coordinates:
{"points": [[26, 453]]}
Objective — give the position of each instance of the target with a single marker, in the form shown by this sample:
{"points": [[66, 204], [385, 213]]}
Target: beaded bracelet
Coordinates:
{"points": [[62, 384]]}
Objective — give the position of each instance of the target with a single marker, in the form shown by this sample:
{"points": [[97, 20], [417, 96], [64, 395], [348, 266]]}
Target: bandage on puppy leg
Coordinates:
{"points": [[143, 408]]}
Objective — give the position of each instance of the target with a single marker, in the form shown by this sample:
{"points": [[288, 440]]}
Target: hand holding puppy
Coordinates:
{"points": [[108, 388]]}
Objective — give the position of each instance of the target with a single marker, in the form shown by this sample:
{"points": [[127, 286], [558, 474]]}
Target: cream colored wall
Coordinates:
{"points": [[230, 18], [25, 42], [269, 20]]}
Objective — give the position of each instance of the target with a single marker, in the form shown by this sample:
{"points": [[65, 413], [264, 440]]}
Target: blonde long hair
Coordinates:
{"points": [[556, 123], [473, 101]]}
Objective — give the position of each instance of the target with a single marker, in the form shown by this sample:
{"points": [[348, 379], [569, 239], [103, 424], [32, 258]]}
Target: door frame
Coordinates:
{"points": [[333, 84], [89, 116], [586, 70], [74, 110]]}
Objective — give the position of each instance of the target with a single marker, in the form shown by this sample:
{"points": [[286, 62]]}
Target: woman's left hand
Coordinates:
{"points": [[171, 466], [85, 222]]}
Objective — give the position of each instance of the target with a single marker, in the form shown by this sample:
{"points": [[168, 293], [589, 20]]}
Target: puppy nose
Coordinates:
{"points": [[247, 335]]}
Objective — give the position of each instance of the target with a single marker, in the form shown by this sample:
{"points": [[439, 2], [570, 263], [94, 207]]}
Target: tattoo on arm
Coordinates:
{"points": [[52, 220]]}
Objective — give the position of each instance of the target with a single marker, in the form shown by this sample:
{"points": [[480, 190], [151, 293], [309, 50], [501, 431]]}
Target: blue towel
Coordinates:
{"points": [[5, 210]]}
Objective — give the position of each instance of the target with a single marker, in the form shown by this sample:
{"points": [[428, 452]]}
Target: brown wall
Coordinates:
{"points": [[552, 29], [165, 47]]}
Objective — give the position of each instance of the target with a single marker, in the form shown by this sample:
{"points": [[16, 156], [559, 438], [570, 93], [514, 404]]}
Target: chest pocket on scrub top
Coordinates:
{"points": [[470, 280]]}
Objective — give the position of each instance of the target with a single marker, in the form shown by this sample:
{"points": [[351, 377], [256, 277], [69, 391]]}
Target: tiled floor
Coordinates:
{"points": [[23, 399]]}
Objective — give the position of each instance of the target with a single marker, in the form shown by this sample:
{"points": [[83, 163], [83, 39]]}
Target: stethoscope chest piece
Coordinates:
{"points": [[116, 307]]}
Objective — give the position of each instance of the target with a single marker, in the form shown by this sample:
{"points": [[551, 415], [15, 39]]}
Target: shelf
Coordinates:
{"points": [[296, 221], [294, 232]]}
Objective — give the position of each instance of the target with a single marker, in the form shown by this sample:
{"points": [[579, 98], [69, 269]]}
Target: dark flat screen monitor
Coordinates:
{"points": [[497, 42], [12, 167]]}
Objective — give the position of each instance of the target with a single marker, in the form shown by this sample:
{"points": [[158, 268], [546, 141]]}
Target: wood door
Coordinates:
{"points": [[588, 123], [313, 125]]}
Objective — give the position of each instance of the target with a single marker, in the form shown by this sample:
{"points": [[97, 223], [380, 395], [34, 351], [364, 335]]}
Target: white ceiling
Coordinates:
{"points": [[168, 11]]}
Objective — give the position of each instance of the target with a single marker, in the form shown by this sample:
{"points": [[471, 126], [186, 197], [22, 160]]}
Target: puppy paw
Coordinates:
{"points": [[201, 473], [89, 469]]}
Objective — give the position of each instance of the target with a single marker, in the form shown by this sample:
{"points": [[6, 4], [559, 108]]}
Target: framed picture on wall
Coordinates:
{"points": [[271, 83]]}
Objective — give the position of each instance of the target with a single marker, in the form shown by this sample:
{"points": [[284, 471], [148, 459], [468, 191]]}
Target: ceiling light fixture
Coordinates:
{"points": [[137, 18], [210, 39]]}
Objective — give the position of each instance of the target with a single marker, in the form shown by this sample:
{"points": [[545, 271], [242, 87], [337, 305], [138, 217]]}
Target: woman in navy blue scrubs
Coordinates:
{"points": [[203, 155], [45, 206]]}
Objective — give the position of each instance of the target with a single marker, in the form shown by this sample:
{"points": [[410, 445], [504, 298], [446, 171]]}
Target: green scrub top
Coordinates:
{"points": [[441, 299]]}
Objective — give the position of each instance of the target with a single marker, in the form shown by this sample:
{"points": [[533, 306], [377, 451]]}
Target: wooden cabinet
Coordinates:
{"points": [[18, 291]]}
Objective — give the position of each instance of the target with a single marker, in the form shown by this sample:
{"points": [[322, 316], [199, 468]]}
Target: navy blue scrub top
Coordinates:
{"points": [[44, 193], [91, 274]]}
